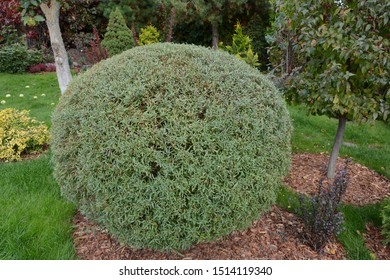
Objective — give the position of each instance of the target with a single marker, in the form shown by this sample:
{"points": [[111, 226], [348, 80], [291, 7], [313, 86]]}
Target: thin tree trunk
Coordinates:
{"points": [[289, 56], [52, 14], [171, 24], [215, 35], [336, 147]]}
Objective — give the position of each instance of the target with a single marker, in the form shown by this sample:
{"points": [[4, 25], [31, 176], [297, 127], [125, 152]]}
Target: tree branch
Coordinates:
{"points": [[45, 8]]}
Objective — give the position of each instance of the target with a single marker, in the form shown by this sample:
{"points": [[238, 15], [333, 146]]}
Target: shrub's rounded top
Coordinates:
{"points": [[169, 145]]}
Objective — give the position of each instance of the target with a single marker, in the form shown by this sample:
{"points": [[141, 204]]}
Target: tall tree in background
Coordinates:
{"points": [[343, 53], [218, 13], [210, 11], [138, 11], [51, 10]]}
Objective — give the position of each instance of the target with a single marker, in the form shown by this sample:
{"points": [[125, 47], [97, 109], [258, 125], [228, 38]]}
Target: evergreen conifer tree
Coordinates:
{"points": [[118, 37], [242, 47]]}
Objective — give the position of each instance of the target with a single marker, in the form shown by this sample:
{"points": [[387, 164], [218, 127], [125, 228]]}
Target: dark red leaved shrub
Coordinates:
{"points": [[38, 68]]}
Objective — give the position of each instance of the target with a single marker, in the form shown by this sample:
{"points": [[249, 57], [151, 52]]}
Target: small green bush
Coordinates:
{"points": [[386, 222], [170, 145], [118, 37], [242, 47], [17, 58], [149, 35]]}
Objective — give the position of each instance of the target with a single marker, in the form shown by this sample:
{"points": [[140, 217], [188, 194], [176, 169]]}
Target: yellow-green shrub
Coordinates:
{"points": [[19, 133], [149, 35]]}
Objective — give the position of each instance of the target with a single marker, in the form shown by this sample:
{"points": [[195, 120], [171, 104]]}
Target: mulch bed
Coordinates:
{"points": [[278, 235], [365, 186]]}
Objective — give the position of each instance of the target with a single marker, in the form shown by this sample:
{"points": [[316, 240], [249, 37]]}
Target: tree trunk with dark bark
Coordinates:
{"points": [[336, 147], [52, 15]]}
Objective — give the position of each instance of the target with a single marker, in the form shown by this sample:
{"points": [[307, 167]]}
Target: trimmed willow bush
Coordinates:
{"points": [[170, 145]]}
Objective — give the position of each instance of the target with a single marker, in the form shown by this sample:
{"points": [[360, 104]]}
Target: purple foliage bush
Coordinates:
{"points": [[321, 214]]}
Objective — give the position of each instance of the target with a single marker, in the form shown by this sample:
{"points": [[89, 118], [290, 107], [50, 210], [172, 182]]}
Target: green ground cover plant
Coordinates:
{"points": [[365, 143]]}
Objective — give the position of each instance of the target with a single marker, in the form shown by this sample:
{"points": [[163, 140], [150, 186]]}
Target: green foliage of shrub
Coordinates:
{"points": [[149, 35], [118, 37], [242, 47], [20, 134], [170, 145], [17, 58], [386, 222]]}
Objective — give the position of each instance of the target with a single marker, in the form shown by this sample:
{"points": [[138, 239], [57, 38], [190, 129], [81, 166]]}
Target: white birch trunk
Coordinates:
{"points": [[52, 14]]}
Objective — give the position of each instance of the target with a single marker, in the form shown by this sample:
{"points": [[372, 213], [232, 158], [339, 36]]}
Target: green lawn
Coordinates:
{"points": [[35, 222], [366, 144], [40, 93]]}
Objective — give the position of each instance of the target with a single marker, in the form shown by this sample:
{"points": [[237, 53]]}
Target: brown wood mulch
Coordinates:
{"points": [[373, 239], [277, 235], [365, 186]]}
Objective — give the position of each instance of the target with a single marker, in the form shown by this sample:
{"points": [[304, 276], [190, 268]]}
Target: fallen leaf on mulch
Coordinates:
{"points": [[365, 186], [277, 235], [374, 242]]}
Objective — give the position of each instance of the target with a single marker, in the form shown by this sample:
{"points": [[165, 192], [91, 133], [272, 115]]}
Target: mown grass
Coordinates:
{"points": [[42, 86], [35, 222], [364, 143]]}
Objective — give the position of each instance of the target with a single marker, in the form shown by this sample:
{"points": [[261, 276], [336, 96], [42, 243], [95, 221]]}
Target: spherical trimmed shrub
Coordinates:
{"points": [[166, 145]]}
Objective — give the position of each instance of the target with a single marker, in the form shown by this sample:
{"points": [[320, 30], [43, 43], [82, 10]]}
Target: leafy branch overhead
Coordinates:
{"points": [[343, 51], [340, 51], [30, 15]]}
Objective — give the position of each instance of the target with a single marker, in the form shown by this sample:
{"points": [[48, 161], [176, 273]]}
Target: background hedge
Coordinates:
{"points": [[16, 58]]}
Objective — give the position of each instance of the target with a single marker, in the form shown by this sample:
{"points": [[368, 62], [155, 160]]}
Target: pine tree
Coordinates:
{"points": [[217, 12], [118, 37], [134, 11]]}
